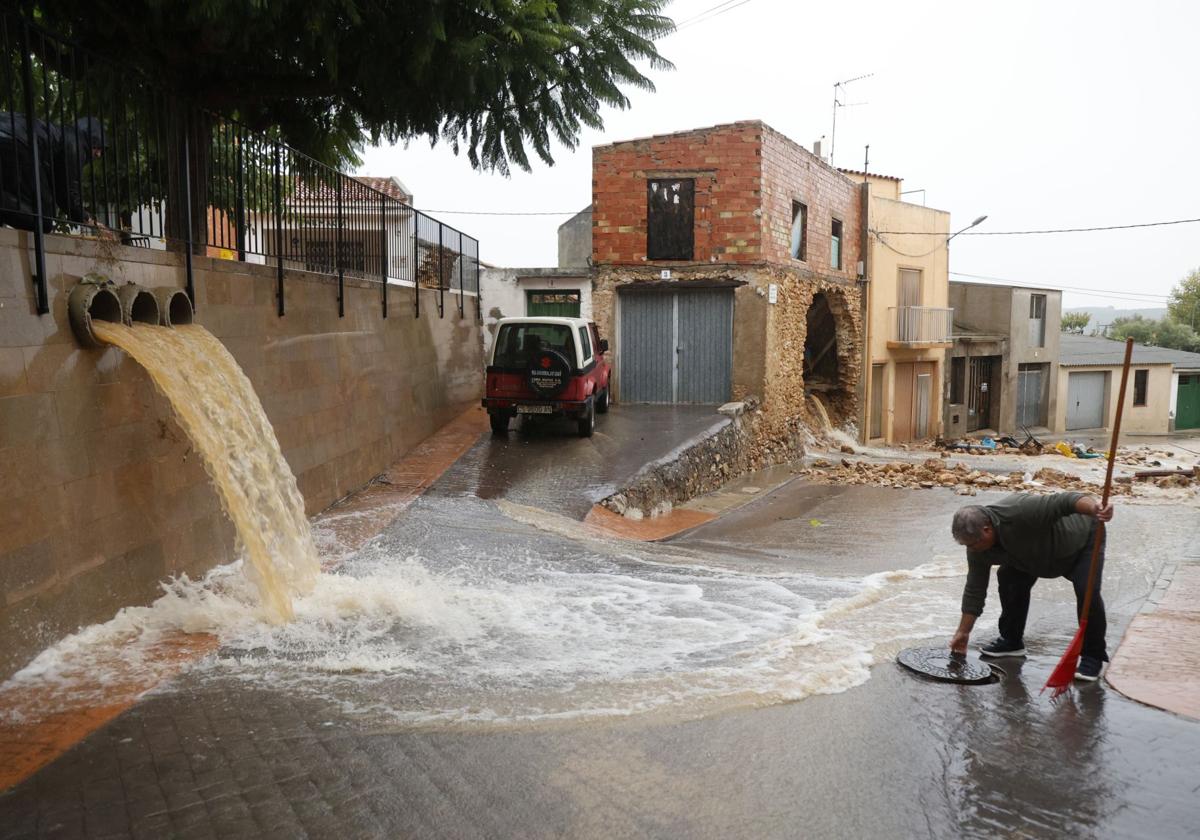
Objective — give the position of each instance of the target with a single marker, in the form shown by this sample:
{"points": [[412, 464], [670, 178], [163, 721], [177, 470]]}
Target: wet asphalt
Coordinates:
{"points": [[895, 756], [544, 463]]}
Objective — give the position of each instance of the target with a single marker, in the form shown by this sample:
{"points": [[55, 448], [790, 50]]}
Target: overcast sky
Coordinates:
{"points": [[1039, 115]]}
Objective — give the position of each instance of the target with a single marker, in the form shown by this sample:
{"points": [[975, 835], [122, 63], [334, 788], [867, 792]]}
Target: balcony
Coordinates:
{"points": [[919, 326]]}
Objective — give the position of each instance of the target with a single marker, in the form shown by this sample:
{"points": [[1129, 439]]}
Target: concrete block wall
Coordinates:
{"points": [[101, 495]]}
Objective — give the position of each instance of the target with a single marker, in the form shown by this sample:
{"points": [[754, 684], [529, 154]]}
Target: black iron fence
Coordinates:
{"points": [[90, 149]]}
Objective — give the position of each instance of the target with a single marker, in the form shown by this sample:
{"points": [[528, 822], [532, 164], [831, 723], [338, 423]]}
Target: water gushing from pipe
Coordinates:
{"points": [[217, 406]]}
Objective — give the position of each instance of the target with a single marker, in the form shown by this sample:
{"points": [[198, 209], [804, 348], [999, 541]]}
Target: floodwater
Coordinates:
{"points": [[480, 670]]}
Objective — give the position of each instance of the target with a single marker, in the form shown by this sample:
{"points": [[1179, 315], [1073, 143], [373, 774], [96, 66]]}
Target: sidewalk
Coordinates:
{"points": [[1158, 660]]}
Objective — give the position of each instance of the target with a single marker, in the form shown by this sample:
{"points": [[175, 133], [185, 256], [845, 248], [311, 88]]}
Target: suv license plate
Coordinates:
{"points": [[535, 409]]}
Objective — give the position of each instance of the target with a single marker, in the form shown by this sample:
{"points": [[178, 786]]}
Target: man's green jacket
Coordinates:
{"points": [[1038, 535]]}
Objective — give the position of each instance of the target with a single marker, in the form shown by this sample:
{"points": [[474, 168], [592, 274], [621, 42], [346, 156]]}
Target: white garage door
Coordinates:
{"points": [[1085, 399]]}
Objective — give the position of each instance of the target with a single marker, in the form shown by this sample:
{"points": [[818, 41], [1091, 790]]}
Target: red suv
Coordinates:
{"points": [[547, 366]]}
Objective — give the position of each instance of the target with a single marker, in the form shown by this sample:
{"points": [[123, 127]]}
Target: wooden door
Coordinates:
{"points": [[902, 402]]}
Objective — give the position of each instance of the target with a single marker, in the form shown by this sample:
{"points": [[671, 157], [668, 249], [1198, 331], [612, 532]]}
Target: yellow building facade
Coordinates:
{"points": [[909, 322]]}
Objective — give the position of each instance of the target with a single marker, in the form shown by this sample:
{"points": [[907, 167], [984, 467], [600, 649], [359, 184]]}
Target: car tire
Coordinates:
{"points": [[602, 402], [587, 420], [499, 422]]}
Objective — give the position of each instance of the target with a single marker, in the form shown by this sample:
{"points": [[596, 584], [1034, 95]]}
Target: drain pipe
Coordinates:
{"points": [[138, 305], [174, 307], [92, 300]]}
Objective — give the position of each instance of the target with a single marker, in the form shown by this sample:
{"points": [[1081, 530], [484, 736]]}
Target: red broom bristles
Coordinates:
{"points": [[1064, 673]]}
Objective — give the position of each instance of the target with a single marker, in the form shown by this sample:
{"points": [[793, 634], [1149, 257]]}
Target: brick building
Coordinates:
{"points": [[727, 262]]}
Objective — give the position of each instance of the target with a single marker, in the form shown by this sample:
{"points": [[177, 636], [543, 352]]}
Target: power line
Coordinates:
{"points": [[1054, 230], [699, 15], [707, 15], [1133, 297]]}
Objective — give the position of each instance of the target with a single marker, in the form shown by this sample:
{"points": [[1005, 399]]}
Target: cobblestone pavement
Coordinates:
{"points": [[212, 756]]}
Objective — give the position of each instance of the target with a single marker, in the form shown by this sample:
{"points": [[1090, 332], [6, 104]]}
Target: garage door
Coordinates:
{"points": [[676, 346], [1187, 407], [1085, 399]]}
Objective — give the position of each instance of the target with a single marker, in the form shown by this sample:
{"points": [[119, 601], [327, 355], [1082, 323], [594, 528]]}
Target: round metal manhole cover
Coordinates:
{"points": [[939, 664]]}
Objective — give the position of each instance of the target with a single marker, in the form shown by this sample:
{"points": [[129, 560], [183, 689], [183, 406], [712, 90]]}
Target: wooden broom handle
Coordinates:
{"points": [[1108, 477]]}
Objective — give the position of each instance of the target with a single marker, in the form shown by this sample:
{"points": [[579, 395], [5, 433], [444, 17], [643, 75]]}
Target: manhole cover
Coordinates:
{"points": [[939, 664]]}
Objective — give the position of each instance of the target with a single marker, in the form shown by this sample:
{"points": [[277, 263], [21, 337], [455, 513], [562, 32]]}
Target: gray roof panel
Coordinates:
{"points": [[1080, 350]]}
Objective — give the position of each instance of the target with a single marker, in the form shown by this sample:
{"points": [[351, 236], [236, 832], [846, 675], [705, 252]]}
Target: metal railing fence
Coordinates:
{"points": [[920, 324], [92, 149]]}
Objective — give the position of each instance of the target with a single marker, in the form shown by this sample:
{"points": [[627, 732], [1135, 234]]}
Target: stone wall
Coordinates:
{"points": [[102, 496], [742, 445]]}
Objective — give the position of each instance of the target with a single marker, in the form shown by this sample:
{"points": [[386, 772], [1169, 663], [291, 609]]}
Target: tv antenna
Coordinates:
{"points": [[839, 90]]}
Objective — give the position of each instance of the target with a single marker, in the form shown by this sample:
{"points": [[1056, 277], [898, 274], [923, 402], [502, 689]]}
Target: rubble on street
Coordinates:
{"points": [[939, 472]]}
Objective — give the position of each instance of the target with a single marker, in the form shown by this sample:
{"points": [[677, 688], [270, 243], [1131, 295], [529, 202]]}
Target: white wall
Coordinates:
{"points": [[503, 291]]}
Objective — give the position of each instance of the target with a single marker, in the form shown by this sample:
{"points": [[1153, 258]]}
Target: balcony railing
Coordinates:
{"points": [[919, 326], [92, 149]]}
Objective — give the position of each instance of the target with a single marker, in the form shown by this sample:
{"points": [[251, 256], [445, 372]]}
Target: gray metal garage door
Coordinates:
{"points": [[1085, 399], [676, 346]]}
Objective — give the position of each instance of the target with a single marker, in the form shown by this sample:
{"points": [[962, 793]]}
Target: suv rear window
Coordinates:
{"points": [[516, 343]]}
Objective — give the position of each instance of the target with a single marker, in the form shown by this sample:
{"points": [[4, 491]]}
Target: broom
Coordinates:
{"points": [[1064, 674]]}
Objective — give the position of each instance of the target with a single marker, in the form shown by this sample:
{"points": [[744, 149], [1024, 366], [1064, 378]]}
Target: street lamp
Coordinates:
{"points": [[980, 220]]}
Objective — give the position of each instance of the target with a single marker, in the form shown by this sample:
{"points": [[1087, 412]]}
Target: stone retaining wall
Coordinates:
{"points": [[747, 442]]}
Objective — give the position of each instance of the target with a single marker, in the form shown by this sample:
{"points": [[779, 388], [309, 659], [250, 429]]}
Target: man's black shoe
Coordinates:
{"points": [[1002, 647], [1088, 669]]}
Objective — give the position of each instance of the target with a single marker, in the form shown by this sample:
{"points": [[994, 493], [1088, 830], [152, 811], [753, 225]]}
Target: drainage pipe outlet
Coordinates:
{"points": [[138, 305], [91, 301], [174, 307]]}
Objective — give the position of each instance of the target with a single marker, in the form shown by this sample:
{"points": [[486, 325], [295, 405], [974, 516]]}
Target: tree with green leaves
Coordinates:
{"points": [[1075, 322], [1156, 333], [493, 78], [1184, 306]]}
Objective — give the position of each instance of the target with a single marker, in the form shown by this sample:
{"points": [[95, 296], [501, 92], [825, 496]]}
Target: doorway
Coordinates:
{"points": [[913, 401], [982, 397]]}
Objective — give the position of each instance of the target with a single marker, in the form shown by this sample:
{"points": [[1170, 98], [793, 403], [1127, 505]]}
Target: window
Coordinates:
{"points": [[1141, 379], [585, 344], [910, 287], [670, 218], [799, 231], [1037, 320], [835, 245], [958, 379], [516, 344], [555, 303]]}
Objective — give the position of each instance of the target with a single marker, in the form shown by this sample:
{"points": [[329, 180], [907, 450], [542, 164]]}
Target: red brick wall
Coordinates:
{"points": [[725, 163], [791, 173], [747, 175]]}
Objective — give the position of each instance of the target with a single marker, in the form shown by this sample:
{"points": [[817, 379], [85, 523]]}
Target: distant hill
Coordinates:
{"points": [[1102, 316]]}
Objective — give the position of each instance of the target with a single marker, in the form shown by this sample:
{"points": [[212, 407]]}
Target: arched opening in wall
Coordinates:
{"points": [[828, 349], [820, 346]]}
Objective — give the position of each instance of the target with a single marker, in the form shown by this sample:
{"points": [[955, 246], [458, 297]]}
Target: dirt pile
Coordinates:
{"points": [[937, 472]]}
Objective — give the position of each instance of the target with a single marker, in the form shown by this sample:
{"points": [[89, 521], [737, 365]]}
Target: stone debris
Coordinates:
{"points": [[937, 472]]}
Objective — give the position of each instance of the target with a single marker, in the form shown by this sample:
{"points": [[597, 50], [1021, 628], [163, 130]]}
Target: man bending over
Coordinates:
{"points": [[1031, 537]]}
